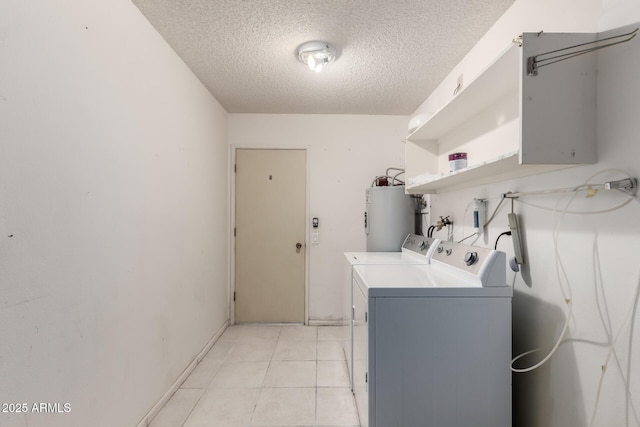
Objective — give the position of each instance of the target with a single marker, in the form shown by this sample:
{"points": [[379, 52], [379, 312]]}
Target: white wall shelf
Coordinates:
{"points": [[498, 169], [511, 124], [494, 83]]}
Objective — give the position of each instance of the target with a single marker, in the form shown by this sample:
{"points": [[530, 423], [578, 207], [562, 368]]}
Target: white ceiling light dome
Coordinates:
{"points": [[316, 54]]}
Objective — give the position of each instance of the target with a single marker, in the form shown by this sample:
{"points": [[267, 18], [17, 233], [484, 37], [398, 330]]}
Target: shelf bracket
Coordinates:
{"points": [[538, 61]]}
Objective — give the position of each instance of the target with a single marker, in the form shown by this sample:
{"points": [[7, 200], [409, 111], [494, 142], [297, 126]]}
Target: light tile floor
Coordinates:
{"points": [[268, 376]]}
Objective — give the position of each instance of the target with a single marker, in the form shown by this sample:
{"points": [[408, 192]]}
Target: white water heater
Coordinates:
{"points": [[389, 216]]}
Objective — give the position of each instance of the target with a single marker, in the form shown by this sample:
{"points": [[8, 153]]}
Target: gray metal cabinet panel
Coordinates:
{"points": [[441, 362]]}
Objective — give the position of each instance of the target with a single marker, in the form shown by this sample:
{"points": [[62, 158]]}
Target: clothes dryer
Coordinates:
{"points": [[415, 249]]}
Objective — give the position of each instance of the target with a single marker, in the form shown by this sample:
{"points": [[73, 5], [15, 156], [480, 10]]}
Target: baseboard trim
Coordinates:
{"points": [[183, 376], [326, 322]]}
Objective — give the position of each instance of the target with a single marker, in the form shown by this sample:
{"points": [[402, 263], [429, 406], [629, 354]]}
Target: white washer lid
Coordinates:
{"points": [[422, 281], [384, 258]]}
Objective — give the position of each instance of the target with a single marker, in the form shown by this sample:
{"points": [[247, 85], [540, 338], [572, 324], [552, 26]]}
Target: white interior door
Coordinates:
{"points": [[270, 235]]}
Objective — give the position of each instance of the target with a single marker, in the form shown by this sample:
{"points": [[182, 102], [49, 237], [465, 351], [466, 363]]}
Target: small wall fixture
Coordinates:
{"points": [[316, 55]]}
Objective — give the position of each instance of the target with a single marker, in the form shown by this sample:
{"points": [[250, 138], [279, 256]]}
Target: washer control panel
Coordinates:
{"points": [[465, 257], [418, 244]]}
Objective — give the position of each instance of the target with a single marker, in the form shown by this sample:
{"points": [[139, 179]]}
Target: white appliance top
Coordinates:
{"points": [[383, 258], [415, 250], [456, 270]]}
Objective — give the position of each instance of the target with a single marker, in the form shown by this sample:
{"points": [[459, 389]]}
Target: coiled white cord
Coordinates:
{"points": [[560, 271], [631, 313], [565, 293], [612, 351]]}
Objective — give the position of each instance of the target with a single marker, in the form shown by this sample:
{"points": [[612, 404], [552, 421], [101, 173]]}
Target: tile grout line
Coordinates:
{"points": [[204, 391], [193, 407], [261, 388]]}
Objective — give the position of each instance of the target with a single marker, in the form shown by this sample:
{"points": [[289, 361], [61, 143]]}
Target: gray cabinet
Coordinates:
{"points": [[439, 360]]}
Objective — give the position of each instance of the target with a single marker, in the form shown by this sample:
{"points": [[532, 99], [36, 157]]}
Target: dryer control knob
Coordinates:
{"points": [[470, 258]]}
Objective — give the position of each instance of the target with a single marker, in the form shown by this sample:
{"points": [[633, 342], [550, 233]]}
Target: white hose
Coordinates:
{"points": [[560, 270]]}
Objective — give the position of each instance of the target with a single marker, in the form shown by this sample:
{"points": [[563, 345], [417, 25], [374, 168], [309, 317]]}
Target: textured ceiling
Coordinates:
{"points": [[392, 53]]}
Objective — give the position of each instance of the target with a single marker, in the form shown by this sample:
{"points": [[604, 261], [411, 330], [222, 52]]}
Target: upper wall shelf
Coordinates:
{"points": [[493, 84], [510, 123], [498, 169]]}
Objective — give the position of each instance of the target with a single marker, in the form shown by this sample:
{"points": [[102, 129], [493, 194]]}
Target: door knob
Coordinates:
{"points": [[298, 246]]}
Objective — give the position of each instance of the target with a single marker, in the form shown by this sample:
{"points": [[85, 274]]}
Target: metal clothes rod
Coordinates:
{"points": [[535, 62], [627, 185]]}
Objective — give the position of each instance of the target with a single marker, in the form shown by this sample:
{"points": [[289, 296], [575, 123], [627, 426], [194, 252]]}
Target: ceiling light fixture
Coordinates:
{"points": [[316, 55]]}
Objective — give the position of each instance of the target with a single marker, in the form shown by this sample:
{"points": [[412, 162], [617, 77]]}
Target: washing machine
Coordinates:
{"points": [[432, 342], [415, 249]]}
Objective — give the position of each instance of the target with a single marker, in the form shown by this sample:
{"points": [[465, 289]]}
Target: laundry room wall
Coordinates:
{"points": [[596, 268], [113, 214], [345, 154]]}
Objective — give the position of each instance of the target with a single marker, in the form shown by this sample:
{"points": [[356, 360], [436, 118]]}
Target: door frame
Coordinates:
{"points": [[232, 224]]}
